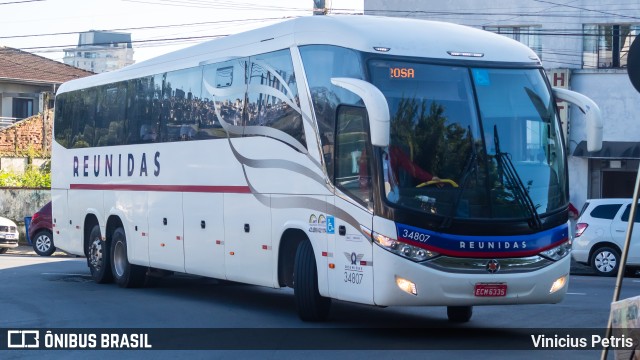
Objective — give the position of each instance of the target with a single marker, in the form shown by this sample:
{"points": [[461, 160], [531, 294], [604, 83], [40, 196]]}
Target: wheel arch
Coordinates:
{"points": [[113, 222], [289, 242], [90, 220], [600, 245]]}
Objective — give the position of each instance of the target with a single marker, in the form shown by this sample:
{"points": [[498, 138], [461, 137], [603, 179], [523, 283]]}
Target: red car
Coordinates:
{"points": [[41, 231]]}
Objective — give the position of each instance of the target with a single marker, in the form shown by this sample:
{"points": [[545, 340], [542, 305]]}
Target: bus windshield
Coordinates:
{"points": [[471, 143]]}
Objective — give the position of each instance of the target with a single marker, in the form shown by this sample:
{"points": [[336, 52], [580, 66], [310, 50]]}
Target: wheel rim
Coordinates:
{"points": [[605, 261], [95, 254], [119, 258], [43, 243]]}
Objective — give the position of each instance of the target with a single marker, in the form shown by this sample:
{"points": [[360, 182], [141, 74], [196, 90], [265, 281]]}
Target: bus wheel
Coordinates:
{"points": [[125, 274], [98, 257], [310, 304], [459, 314]]}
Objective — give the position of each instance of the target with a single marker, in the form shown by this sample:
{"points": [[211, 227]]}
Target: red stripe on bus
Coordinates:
{"points": [[167, 188]]}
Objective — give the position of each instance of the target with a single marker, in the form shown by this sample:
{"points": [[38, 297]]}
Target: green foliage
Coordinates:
{"points": [[33, 177]]}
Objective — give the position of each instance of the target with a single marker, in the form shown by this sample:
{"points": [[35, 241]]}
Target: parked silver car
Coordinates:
{"points": [[600, 234], [8, 235]]}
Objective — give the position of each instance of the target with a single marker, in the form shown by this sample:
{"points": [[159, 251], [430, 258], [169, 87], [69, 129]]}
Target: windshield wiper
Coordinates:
{"points": [[520, 193]]}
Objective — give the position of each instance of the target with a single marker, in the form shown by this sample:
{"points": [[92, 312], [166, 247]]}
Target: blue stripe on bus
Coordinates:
{"points": [[483, 246]]}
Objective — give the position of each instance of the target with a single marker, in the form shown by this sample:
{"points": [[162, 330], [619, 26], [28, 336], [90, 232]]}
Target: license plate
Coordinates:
{"points": [[490, 290]]}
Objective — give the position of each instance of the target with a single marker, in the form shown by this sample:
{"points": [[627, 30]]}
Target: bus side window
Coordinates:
{"points": [[353, 154], [273, 94]]}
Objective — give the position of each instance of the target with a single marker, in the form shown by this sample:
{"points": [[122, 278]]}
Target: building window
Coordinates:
{"points": [[528, 35], [22, 108], [607, 46]]}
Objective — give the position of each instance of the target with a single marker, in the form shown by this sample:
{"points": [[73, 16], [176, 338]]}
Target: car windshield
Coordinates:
{"points": [[471, 142]]}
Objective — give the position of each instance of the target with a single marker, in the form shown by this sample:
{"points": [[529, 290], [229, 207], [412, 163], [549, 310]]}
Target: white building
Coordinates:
{"points": [[582, 44], [100, 51]]}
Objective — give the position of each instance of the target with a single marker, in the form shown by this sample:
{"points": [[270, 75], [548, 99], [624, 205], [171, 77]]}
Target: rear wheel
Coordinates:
{"points": [[125, 274], [459, 314], [43, 243], [310, 304], [98, 257], [3, 250], [606, 261]]}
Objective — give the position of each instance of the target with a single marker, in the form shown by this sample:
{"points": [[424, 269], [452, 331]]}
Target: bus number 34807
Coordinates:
{"points": [[352, 277]]}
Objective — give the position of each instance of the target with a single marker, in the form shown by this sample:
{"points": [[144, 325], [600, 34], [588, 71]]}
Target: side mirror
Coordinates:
{"points": [[376, 104], [591, 112]]}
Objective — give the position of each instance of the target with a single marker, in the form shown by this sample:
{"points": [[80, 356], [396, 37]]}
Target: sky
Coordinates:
{"points": [[156, 26]]}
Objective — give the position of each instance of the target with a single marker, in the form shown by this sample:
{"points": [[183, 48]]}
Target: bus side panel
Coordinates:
{"points": [[248, 252], [352, 277], [60, 219], [312, 220], [132, 208], [204, 234], [166, 247], [84, 203]]}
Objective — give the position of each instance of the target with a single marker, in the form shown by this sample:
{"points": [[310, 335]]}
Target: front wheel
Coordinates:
{"points": [[3, 250], [43, 243], [98, 257], [605, 261], [310, 304], [459, 314], [125, 274]]}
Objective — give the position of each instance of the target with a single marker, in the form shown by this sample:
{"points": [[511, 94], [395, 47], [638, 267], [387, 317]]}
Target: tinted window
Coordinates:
{"points": [[321, 63], [627, 211], [273, 96], [222, 105], [605, 211], [353, 154]]}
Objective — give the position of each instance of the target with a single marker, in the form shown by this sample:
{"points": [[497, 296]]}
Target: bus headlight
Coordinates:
{"points": [[403, 249], [558, 252]]}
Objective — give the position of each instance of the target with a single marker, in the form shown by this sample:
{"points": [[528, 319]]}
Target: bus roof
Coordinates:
{"points": [[403, 37]]}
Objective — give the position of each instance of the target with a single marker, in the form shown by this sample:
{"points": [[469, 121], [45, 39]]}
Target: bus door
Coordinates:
{"points": [[166, 238], [352, 278], [248, 248]]}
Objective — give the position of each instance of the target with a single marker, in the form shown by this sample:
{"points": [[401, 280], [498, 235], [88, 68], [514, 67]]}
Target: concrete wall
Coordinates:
{"points": [[16, 204]]}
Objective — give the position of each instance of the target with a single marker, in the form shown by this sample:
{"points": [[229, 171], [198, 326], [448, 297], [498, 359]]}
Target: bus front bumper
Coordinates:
{"points": [[436, 287]]}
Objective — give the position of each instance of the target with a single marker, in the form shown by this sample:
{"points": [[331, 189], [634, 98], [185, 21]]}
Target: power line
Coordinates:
{"points": [[19, 2], [586, 9], [149, 27]]}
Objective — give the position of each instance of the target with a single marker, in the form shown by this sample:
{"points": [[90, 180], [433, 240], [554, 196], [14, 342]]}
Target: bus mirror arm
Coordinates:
{"points": [[591, 112], [376, 104]]}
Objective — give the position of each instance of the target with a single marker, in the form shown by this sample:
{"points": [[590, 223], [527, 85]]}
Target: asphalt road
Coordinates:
{"points": [[57, 292]]}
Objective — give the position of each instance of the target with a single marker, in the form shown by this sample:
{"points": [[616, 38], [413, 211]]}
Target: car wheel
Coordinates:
{"points": [[3, 250], [310, 304], [43, 243], [605, 261], [125, 274], [459, 314], [98, 257]]}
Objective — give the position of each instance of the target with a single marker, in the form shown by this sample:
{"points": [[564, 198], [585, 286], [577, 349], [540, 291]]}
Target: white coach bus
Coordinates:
{"points": [[381, 161]]}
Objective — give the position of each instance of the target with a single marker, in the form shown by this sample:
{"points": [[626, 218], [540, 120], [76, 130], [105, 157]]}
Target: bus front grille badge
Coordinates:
{"points": [[493, 266]]}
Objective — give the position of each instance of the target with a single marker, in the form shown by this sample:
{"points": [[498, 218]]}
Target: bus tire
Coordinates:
{"points": [[310, 304], [125, 274], [98, 257], [459, 314]]}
